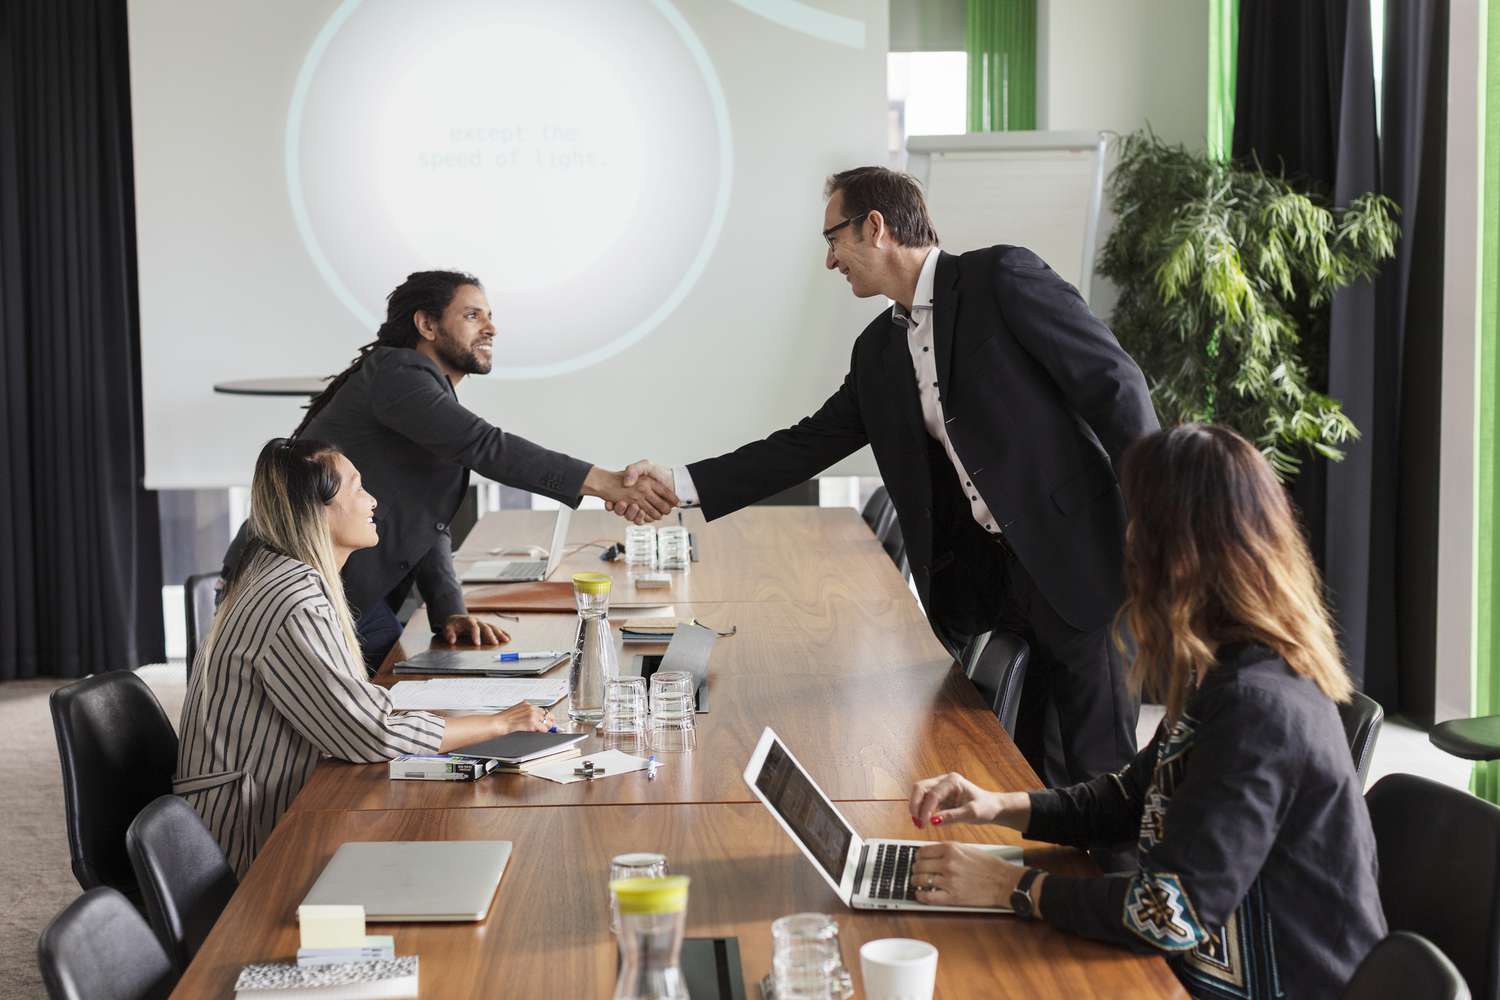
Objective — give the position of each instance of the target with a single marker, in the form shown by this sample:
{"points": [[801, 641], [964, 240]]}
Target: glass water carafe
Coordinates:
{"points": [[594, 658]]}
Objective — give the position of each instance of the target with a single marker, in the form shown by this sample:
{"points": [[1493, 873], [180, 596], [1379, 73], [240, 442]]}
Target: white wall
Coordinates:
{"points": [[1120, 64]]}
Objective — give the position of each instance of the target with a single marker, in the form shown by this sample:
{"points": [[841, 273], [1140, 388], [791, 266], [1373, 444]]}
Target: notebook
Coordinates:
{"points": [[517, 748]]}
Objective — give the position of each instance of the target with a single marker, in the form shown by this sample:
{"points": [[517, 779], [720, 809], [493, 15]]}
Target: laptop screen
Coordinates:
{"points": [[559, 540], [797, 801]]}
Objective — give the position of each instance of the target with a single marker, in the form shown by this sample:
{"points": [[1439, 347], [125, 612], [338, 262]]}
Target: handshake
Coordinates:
{"points": [[641, 493]]}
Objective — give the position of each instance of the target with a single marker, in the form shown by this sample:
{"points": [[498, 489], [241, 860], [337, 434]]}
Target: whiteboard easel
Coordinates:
{"points": [[1039, 190]]}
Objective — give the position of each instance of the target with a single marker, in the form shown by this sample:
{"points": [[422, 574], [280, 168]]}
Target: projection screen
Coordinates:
{"points": [[638, 184]]}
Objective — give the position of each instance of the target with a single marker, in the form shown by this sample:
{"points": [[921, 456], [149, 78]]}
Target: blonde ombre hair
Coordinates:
{"points": [[1214, 556], [294, 482]]}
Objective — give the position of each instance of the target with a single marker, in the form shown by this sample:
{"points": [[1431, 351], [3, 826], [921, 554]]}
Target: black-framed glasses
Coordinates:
{"points": [[828, 233]]}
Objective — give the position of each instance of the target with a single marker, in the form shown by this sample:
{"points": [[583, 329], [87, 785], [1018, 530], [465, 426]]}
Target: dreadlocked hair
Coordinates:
{"points": [[427, 292]]}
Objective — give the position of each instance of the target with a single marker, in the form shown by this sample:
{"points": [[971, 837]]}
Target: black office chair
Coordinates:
{"points": [[199, 597], [185, 879], [100, 948], [1406, 965], [879, 511], [996, 663], [1362, 717], [118, 753], [1439, 853], [1471, 739]]}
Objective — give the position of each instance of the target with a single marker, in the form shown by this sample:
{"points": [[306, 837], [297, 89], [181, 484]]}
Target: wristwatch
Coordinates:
{"points": [[1020, 897]]}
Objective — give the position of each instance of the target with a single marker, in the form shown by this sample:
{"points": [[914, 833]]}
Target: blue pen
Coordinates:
{"points": [[651, 768], [543, 655]]}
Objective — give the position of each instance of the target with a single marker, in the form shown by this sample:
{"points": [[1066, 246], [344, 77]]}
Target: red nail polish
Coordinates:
{"points": [[937, 821], [915, 823]]}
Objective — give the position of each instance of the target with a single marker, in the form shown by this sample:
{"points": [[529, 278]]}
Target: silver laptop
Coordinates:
{"points": [[866, 874], [524, 570], [414, 880]]}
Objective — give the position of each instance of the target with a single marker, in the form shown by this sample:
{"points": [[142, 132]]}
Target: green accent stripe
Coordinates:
{"points": [[1486, 781], [1000, 36], [1223, 63]]}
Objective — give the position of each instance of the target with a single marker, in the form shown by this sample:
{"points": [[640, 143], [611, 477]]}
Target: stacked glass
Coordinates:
{"points": [[673, 729], [625, 715], [806, 961], [640, 545], [673, 551]]}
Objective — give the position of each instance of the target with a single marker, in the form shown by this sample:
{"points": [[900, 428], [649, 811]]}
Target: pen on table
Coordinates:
{"points": [[546, 654], [651, 765]]}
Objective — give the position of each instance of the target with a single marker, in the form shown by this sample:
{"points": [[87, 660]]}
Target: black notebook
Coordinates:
{"points": [[516, 748]]}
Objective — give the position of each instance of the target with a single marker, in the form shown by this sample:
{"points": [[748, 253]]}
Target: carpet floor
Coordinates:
{"points": [[36, 879]]}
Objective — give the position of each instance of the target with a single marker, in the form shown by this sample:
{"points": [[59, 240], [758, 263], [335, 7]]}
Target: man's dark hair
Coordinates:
{"points": [[428, 292], [896, 196]]}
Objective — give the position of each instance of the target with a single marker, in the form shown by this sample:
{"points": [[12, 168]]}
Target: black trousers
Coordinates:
{"points": [[1077, 716], [377, 629]]}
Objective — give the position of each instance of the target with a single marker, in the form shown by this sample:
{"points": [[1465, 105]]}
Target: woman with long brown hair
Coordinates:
{"points": [[279, 683], [1257, 868]]}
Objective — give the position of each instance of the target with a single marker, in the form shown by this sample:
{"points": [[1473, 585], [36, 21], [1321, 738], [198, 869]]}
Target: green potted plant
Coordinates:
{"points": [[1224, 273]]}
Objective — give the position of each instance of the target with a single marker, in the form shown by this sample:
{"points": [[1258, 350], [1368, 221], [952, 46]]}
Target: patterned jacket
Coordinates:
{"points": [[1257, 862]]}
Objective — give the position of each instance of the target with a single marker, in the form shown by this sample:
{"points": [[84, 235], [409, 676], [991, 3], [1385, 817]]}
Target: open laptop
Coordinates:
{"points": [[524, 570], [866, 874], [413, 880]]}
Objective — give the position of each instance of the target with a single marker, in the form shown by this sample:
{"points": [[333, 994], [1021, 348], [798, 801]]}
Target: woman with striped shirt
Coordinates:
{"points": [[280, 682]]}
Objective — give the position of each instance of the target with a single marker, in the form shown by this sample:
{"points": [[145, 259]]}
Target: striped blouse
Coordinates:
{"points": [[278, 691]]}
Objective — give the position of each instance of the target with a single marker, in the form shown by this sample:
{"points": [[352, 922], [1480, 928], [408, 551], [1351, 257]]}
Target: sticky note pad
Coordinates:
{"points": [[327, 926]]}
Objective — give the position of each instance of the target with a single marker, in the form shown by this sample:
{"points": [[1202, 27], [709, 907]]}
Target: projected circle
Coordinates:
{"points": [[575, 157]]}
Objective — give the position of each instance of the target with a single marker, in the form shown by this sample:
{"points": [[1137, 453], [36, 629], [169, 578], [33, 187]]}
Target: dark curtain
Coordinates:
{"points": [[1305, 105], [80, 564]]}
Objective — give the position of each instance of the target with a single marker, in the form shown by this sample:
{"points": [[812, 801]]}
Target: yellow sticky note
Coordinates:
{"points": [[327, 926]]}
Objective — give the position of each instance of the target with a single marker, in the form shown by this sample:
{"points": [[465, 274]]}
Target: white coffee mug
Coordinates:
{"points": [[898, 969]]}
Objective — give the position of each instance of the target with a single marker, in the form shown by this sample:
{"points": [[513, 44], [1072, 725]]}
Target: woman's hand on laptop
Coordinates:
{"points": [[963, 875], [473, 631], [952, 798]]}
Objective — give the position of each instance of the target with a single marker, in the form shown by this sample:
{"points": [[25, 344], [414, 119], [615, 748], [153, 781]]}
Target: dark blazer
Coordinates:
{"points": [[1040, 401], [398, 419]]}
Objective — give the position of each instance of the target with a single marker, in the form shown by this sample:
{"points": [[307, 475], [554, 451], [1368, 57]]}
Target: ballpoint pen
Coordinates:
{"points": [[651, 765], [552, 654]]}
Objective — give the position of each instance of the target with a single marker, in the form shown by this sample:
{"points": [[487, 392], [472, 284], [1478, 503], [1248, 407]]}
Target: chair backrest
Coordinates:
{"points": [[118, 752], [1362, 717], [1406, 965], [185, 880], [1439, 853], [998, 670], [199, 595], [100, 948], [878, 510]]}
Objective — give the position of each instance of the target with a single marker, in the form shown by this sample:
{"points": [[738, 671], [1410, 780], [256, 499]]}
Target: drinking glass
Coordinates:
{"points": [[625, 715], [673, 551], [673, 728], [806, 962], [642, 864]]}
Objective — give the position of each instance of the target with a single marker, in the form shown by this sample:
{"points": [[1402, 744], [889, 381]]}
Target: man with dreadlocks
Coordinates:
{"points": [[395, 413]]}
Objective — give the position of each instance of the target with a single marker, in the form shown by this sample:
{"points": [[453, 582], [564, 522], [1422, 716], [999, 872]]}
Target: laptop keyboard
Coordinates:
{"points": [[521, 570], [892, 876]]}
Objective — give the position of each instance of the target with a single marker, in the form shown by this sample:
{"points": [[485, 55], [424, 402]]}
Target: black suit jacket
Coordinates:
{"points": [[398, 419], [1040, 402]]}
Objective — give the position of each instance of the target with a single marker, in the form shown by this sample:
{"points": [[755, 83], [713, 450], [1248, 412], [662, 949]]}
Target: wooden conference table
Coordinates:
{"points": [[833, 652]]}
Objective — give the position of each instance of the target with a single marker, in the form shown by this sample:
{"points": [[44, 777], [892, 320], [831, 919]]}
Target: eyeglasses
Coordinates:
{"points": [[828, 233]]}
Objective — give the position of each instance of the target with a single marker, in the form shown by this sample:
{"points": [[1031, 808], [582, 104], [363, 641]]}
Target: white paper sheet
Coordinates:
{"points": [[476, 693], [612, 762]]}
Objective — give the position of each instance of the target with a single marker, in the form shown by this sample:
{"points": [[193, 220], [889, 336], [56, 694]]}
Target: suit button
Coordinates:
{"points": [[405, 564], [441, 526]]}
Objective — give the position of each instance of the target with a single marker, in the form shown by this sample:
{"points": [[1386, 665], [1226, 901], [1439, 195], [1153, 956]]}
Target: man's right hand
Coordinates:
{"points": [[637, 471], [638, 498]]}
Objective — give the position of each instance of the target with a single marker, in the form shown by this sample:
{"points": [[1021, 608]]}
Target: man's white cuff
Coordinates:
{"points": [[682, 485]]}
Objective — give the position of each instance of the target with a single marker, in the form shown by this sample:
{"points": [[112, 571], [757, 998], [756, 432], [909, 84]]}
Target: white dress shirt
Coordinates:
{"points": [[919, 341]]}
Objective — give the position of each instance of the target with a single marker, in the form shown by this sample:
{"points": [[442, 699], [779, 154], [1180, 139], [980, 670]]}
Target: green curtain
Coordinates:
{"points": [[1001, 39], [1223, 49], [1487, 673]]}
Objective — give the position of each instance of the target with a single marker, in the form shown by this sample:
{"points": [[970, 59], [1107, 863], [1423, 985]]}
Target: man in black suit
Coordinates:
{"points": [[395, 415], [997, 407]]}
